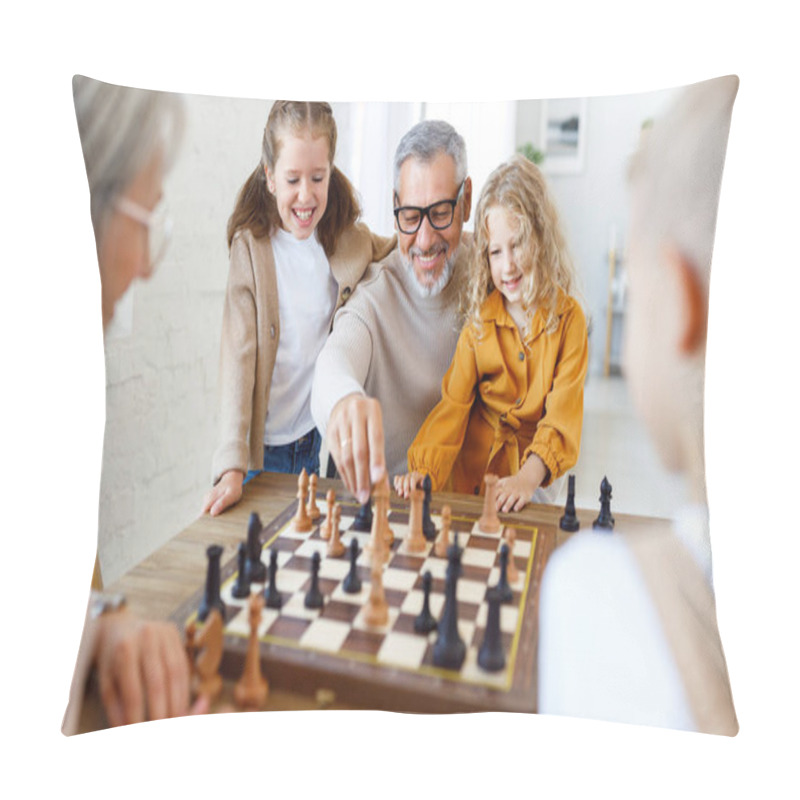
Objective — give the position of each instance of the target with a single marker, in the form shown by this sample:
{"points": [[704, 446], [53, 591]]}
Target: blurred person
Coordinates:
{"points": [[628, 628], [129, 139]]}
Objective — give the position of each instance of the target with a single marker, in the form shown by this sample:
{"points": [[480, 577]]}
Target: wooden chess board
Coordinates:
{"points": [[391, 667]]}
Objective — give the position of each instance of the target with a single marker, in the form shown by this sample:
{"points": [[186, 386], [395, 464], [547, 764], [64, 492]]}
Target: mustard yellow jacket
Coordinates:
{"points": [[504, 399]]}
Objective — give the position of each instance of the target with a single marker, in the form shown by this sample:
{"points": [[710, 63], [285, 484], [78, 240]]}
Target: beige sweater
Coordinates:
{"points": [[251, 333], [392, 344]]}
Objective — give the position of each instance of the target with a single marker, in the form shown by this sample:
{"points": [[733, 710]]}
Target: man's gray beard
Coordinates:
{"points": [[441, 281]]}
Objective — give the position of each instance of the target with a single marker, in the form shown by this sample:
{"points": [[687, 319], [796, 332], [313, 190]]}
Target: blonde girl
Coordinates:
{"points": [[512, 398], [297, 252]]}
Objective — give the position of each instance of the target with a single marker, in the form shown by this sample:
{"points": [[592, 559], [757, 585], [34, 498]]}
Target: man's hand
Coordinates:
{"points": [[225, 493], [403, 484], [142, 669], [355, 440], [514, 492]]}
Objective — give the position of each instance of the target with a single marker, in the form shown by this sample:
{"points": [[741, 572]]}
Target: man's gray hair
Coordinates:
{"points": [[121, 129], [425, 141]]}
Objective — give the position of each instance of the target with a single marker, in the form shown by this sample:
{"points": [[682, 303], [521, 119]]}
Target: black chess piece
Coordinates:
{"points": [[314, 597], [241, 588], [569, 522], [449, 649], [256, 569], [272, 597], [352, 582], [503, 587], [605, 520], [363, 519], [425, 622], [428, 526], [491, 656], [211, 596]]}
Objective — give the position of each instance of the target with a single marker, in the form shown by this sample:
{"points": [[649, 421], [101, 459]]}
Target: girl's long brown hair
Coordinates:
{"points": [[256, 208]]}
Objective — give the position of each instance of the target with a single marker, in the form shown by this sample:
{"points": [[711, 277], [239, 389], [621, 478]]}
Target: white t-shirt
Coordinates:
{"points": [[603, 653], [306, 298]]}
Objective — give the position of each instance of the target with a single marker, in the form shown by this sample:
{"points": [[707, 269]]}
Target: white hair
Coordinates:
{"points": [[425, 141], [121, 129]]}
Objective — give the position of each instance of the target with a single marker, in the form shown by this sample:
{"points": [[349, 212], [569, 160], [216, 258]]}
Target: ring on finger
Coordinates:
{"points": [[344, 442]]}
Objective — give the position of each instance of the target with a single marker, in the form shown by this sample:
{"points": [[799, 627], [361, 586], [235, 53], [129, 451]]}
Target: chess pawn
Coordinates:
{"points": [[510, 536], [336, 546], [325, 528], [443, 539], [415, 543], [376, 611], [302, 522], [313, 509], [489, 521], [251, 690]]}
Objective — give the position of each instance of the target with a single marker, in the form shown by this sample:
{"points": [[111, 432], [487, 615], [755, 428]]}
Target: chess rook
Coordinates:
{"points": [[415, 542], [211, 597]]}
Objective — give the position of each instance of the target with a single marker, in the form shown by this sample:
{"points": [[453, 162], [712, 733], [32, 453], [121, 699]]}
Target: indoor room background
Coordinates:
{"points": [[162, 354]]}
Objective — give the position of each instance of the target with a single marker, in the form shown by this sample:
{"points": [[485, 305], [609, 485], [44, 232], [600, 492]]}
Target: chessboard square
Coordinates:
{"points": [[311, 546], [364, 642], [478, 557], [482, 541], [295, 607], [471, 591], [228, 598], [522, 549], [471, 671], [436, 566], [413, 603], [403, 649], [402, 579], [286, 628], [325, 634], [509, 615], [476, 530], [289, 532], [403, 559], [360, 625], [290, 580], [400, 530], [339, 611], [357, 599], [334, 568]]}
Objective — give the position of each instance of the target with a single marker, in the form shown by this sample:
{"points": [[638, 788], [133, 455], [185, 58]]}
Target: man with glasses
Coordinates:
{"points": [[381, 370]]}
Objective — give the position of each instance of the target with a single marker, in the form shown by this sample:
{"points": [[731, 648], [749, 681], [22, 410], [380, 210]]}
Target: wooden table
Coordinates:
{"points": [[169, 577]]}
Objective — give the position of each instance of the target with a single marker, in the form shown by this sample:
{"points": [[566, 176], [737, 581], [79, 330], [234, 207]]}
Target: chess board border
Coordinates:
{"points": [[361, 680]]}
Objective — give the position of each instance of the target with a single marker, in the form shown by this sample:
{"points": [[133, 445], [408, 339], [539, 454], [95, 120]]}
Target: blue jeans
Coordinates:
{"points": [[292, 458]]}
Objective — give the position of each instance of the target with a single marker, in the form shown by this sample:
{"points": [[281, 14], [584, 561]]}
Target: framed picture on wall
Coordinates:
{"points": [[563, 135]]}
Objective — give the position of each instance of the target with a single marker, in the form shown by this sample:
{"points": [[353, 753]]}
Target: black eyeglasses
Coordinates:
{"points": [[440, 215]]}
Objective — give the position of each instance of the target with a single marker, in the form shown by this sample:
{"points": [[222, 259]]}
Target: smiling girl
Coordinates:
{"points": [[297, 251], [512, 398]]}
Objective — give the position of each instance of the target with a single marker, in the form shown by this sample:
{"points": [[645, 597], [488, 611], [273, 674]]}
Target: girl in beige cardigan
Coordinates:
{"points": [[297, 252]]}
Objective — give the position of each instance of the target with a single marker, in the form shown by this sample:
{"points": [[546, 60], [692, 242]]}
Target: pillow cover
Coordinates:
{"points": [[162, 346]]}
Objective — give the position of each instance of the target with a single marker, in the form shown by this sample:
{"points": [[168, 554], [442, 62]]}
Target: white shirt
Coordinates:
{"points": [[602, 650], [307, 295]]}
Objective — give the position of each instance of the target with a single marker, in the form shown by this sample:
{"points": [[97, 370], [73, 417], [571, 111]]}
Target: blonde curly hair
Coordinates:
{"points": [[518, 187]]}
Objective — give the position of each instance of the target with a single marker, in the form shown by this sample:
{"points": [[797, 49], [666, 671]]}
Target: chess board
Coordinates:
{"points": [[388, 667]]}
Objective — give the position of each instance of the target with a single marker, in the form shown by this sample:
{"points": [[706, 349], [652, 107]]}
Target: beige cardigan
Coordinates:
{"points": [[251, 332]]}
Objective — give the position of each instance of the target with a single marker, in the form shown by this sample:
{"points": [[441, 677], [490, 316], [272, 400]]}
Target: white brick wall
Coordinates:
{"points": [[161, 405]]}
